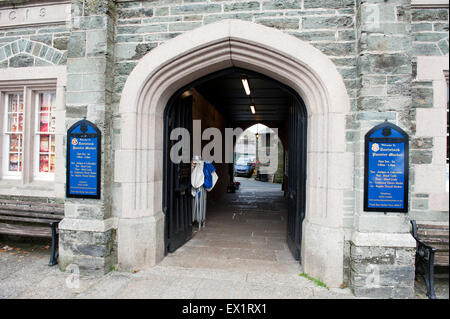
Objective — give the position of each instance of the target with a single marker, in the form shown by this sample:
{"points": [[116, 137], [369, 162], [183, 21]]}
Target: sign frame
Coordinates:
{"points": [[404, 139], [83, 127]]}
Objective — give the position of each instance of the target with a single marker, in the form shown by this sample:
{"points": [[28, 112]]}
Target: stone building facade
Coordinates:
{"points": [[355, 63]]}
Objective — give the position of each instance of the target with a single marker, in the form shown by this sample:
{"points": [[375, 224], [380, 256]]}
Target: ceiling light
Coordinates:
{"points": [[186, 94], [246, 86], [252, 107]]}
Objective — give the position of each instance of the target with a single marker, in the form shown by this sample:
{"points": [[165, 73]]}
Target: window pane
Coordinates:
{"points": [[45, 132], [14, 143], [43, 163], [52, 163], [47, 106], [43, 122], [52, 145], [15, 103], [14, 132], [44, 143]]}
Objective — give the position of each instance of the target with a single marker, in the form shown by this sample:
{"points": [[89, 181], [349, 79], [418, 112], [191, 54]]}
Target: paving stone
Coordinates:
{"points": [[110, 286], [215, 289], [206, 267], [148, 288]]}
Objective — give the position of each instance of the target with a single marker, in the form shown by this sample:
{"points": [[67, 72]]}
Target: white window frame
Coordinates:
{"points": [[45, 176], [5, 136], [33, 80], [30, 154]]}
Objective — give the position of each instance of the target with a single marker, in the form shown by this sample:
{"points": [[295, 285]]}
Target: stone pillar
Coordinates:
{"points": [[381, 247], [87, 232]]}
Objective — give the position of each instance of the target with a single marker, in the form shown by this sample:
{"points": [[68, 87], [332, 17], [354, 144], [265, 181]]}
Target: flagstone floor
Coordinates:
{"points": [[241, 253]]}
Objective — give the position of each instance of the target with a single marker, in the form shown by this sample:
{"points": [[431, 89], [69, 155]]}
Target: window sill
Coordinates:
{"points": [[36, 188]]}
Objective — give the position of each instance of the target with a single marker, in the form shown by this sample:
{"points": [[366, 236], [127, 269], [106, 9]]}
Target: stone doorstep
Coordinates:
{"points": [[236, 244], [228, 253], [243, 265]]}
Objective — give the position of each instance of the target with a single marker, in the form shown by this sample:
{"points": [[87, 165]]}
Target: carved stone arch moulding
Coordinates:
{"points": [[194, 54]]}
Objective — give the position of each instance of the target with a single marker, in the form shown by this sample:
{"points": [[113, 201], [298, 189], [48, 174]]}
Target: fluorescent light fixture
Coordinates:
{"points": [[252, 107], [186, 94], [246, 87]]}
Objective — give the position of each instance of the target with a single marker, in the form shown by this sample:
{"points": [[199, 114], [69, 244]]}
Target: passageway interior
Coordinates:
{"points": [[245, 232], [246, 227]]}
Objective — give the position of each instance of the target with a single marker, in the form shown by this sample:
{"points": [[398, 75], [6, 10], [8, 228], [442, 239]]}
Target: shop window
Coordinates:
{"points": [[28, 151], [13, 135], [45, 135]]}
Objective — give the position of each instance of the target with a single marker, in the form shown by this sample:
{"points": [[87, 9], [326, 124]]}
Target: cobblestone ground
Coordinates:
{"points": [[241, 253]]}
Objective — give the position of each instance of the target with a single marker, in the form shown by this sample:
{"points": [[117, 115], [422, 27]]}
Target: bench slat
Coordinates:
{"points": [[436, 236], [28, 202], [433, 233], [37, 208], [435, 241], [31, 214], [428, 226], [20, 230], [28, 220], [441, 260]]}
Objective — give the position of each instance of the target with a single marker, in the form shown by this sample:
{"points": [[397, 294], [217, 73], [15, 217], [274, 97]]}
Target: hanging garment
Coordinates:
{"points": [[203, 178], [198, 192], [199, 207], [197, 176], [210, 175]]}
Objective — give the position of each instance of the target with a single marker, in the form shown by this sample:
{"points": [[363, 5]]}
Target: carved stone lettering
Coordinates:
{"points": [[34, 15]]}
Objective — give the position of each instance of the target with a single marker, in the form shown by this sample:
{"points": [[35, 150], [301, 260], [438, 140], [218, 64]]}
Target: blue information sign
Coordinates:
{"points": [[83, 160], [386, 169]]}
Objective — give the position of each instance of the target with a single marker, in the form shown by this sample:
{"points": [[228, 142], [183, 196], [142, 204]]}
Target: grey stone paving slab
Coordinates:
{"points": [[216, 289], [292, 280], [198, 273], [109, 286], [153, 286], [238, 255], [57, 286], [182, 288]]}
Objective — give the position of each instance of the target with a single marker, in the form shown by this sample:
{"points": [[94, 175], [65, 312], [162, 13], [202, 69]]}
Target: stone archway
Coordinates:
{"points": [[159, 74]]}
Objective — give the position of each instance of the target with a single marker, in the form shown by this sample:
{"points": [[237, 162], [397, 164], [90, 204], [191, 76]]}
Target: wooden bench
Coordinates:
{"points": [[432, 250], [32, 219]]}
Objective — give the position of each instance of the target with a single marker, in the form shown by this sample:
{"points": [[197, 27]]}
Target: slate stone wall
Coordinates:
{"points": [[329, 25], [33, 46], [429, 29], [429, 32], [382, 272], [88, 94], [373, 43]]}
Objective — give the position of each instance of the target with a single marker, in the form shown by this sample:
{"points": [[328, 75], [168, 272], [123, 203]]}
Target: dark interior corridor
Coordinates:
{"points": [[245, 231], [259, 224]]}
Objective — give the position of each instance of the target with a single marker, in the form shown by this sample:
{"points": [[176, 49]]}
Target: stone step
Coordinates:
{"points": [[227, 253], [240, 236], [227, 243], [240, 265]]}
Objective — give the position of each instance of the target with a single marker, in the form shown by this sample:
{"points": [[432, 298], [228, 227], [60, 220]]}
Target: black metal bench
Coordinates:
{"points": [[32, 219], [431, 250]]}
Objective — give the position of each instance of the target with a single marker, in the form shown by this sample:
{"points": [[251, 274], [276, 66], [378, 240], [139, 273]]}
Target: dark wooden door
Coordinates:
{"points": [[177, 199], [296, 177]]}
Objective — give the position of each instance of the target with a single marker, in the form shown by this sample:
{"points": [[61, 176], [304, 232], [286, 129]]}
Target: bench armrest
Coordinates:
{"points": [[422, 244]]}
